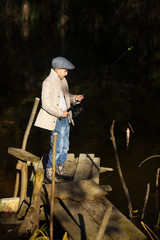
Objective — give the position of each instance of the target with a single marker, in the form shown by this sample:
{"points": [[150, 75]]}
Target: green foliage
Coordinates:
{"points": [[155, 77], [151, 234], [90, 16], [158, 222], [34, 13], [154, 156], [65, 237], [40, 234]]}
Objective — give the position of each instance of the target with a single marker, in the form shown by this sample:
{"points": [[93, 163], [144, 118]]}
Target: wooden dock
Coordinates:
{"points": [[81, 205], [82, 219]]}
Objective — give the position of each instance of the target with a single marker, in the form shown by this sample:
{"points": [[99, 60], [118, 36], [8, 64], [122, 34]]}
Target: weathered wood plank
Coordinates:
{"points": [[9, 218], [104, 222], [95, 170], [71, 164], [23, 155], [88, 216], [105, 169], [119, 227], [9, 204], [127, 226], [97, 209], [70, 157], [24, 207], [83, 218], [84, 166], [68, 223], [88, 223], [106, 188], [65, 219], [78, 191]]}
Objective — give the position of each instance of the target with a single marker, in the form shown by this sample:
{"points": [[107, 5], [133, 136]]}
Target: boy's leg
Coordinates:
{"points": [[62, 129]]}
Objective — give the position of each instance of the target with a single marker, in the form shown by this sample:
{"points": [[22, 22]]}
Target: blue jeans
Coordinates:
{"points": [[62, 129]]}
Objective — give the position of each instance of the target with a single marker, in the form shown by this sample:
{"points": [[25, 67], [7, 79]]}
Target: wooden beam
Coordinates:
{"points": [[23, 155], [105, 169], [104, 222], [9, 204]]}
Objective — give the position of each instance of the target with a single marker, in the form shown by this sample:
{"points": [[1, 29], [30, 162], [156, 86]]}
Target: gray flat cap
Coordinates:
{"points": [[61, 62]]}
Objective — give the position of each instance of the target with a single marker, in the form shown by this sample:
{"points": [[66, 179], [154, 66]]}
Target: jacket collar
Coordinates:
{"points": [[54, 74]]}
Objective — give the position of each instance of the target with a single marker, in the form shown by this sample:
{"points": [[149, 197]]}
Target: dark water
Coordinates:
{"points": [[129, 92]]}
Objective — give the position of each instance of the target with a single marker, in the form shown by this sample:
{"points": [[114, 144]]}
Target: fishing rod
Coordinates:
{"points": [[76, 111], [116, 61]]}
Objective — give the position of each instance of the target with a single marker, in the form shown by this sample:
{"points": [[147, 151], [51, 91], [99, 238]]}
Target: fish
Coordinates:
{"points": [[127, 137]]}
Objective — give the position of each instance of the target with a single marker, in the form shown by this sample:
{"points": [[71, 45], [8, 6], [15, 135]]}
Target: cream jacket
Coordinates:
{"points": [[50, 97]]}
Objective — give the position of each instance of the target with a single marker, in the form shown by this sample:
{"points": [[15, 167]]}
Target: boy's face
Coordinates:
{"points": [[61, 72]]}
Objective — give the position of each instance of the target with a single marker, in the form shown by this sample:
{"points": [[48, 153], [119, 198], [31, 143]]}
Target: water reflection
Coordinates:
{"points": [[126, 94]]}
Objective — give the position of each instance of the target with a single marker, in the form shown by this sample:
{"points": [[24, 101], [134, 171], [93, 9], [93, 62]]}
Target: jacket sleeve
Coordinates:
{"points": [[50, 106], [72, 98]]}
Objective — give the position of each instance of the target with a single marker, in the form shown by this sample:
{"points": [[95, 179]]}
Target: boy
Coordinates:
{"points": [[53, 115]]}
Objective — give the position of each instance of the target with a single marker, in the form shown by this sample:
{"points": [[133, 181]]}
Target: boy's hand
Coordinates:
{"points": [[65, 114], [79, 98]]}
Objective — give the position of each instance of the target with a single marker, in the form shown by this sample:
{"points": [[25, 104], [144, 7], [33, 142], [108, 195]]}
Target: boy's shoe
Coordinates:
{"points": [[48, 177], [61, 173]]}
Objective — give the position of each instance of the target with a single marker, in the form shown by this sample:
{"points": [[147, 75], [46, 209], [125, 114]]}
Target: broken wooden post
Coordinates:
{"points": [[157, 178], [53, 183], [26, 157], [145, 200], [120, 171], [31, 221], [23, 166]]}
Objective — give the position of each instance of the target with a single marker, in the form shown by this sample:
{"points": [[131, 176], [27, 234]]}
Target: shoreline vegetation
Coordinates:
{"points": [[91, 16]]}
